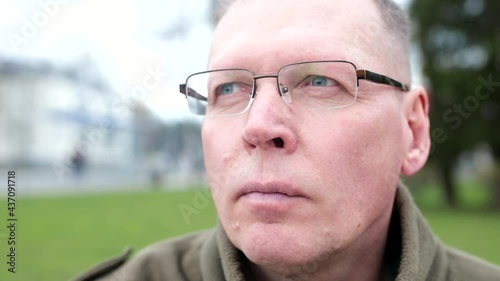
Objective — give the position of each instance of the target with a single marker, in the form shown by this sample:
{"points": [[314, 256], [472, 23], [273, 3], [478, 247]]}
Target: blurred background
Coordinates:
{"points": [[106, 153]]}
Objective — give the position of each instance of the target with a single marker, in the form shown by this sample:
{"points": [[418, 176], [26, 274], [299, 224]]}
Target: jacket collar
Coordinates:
{"points": [[421, 256]]}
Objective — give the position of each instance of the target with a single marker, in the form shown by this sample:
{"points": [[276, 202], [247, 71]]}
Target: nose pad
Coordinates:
{"points": [[285, 93]]}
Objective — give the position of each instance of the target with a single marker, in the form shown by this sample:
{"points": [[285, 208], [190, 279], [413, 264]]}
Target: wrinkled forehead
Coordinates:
{"points": [[324, 28]]}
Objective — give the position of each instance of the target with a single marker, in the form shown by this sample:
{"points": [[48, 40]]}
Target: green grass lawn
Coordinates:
{"points": [[472, 227], [59, 237]]}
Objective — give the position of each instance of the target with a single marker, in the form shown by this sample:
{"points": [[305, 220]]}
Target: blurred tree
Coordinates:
{"points": [[460, 45]]}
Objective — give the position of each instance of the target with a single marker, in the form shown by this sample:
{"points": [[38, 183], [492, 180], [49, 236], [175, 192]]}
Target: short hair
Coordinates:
{"points": [[394, 19]]}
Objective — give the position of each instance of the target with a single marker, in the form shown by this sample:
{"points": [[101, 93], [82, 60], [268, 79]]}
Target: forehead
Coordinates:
{"points": [[288, 31]]}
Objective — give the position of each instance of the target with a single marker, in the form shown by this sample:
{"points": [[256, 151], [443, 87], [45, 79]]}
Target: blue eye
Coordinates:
{"points": [[321, 81], [227, 89], [233, 88]]}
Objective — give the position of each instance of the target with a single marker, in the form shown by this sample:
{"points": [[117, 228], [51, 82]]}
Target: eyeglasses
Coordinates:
{"points": [[312, 85]]}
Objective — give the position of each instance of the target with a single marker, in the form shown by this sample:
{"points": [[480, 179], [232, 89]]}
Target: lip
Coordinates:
{"points": [[270, 201], [273, 188]]}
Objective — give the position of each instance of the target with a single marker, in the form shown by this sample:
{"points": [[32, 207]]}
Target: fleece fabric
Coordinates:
{"points": [[417, 255]]}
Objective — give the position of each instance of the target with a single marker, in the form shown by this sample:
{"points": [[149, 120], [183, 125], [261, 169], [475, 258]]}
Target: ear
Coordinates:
{"points": [[415, 110]]}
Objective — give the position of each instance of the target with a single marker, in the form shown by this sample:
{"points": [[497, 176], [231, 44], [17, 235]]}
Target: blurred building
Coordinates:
{"points": [[59, 122], [48, 110], [171, 152]]}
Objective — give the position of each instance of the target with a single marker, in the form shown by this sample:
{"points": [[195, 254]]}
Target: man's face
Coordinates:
{"points": [[294, 185]]}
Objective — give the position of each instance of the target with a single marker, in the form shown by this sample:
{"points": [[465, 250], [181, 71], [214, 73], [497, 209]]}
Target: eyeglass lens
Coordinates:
{"points": [[311, 85]]}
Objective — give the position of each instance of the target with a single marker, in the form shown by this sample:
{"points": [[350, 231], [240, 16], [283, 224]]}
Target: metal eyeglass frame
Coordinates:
{"points": [[361, 74]]}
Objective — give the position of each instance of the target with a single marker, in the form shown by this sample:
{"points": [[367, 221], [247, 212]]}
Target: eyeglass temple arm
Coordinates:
{"points": [[380, 79], [192, 93]]}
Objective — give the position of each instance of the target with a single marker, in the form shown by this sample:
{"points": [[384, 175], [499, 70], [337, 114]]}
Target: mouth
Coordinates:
{"points": [[277, 190], [271, 201]]}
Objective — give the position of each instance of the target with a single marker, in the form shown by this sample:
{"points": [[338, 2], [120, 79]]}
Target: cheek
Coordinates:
{"points": [[213, 145], [361, 156], [352, 144], [220, 153]]}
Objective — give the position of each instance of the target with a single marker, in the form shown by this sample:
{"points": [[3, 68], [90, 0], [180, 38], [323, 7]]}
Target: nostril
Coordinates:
{"points": [[278, 142]]}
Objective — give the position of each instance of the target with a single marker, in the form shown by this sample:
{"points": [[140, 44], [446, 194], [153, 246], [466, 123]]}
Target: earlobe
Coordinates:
{"points": [[416, 112]]}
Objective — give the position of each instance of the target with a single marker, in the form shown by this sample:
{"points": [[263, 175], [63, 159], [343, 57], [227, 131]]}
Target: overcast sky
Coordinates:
{"points": [[127, 38]]}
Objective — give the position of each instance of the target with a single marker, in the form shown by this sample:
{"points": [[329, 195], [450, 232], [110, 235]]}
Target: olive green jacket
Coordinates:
{"points": [[210, 256]]}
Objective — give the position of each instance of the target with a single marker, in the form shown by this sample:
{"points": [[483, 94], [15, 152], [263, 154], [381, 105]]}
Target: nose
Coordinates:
{"points": [[269, 123]]}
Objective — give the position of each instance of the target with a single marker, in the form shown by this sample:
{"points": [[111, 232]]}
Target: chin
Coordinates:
{"points": [[282, 249]]}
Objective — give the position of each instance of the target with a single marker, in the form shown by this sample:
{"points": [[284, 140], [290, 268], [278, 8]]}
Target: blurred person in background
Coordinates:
{"points": [[78, 162], [310, 120]]}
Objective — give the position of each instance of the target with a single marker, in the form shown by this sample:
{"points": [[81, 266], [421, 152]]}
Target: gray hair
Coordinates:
{"points": [[395, 20]]}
